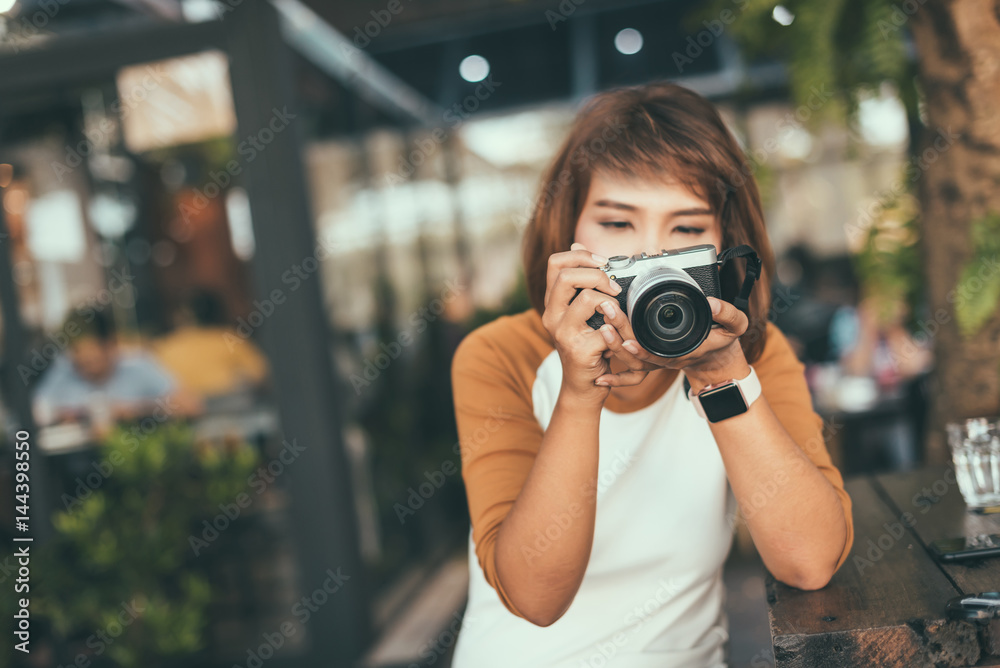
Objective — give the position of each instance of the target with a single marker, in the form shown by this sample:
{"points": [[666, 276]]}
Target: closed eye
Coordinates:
{"points": [[684, 229], [616, 224]]}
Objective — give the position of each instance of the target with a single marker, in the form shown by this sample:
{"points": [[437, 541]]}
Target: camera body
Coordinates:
{"points": [[665, 297]]}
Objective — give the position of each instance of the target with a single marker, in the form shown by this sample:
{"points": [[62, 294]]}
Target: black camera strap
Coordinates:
{"points": [[742, 301]]}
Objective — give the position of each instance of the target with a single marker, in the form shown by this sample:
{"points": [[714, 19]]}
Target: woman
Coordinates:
{"points": [[602, 503]]}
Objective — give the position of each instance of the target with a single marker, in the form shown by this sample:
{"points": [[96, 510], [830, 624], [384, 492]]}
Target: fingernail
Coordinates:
{"points": [[606, 333], [616, 287], [715, 304], [608, 309], [631, 346], [600, 382], [599, 258]]}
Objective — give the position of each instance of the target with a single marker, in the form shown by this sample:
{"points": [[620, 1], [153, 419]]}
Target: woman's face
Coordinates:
{"points": [[626, 215]]}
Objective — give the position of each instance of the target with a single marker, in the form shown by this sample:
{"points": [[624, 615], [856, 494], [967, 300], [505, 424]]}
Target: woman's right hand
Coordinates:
{"points": [[581, 349]]}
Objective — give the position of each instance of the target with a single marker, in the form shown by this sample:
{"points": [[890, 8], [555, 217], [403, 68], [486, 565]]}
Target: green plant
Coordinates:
{"points": [[119, 579], [888, 261], [979, 290], [841, 48]]}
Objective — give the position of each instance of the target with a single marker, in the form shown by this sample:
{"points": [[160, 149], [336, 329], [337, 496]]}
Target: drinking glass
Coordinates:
{"points": [[975, 451]]}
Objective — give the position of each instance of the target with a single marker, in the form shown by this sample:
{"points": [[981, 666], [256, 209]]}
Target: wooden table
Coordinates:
{"points": [[886, 604]]}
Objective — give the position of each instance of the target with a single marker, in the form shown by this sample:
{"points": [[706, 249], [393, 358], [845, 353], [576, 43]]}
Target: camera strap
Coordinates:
{"points": [[742, 301]]}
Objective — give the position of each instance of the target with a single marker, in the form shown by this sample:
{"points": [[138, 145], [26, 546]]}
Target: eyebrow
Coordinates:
{"points": [[614, 205], [695, 211]]}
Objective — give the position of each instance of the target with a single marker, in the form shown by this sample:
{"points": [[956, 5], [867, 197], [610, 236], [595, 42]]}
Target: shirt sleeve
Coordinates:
{"points": [[783, 383], [499, 437], [49, 389], [150, 379]]}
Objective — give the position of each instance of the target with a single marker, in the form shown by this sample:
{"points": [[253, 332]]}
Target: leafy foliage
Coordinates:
{"points": [[846, 47], [888, 263], [121, 564], [979, 286]]}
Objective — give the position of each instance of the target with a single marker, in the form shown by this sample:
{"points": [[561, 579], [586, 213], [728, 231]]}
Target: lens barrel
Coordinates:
{"points": [[669, 313]]}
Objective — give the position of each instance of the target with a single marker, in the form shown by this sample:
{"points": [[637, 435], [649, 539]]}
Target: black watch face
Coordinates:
{"points": [[722, 402]]}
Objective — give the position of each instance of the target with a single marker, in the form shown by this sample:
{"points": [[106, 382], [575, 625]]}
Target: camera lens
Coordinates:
{"points": [[670, 315]]}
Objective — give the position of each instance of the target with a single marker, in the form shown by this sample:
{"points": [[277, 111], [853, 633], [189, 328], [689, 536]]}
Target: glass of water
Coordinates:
{"points": [[975, 450]]}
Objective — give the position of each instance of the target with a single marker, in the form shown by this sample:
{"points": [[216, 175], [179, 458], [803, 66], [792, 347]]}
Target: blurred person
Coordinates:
{"points": [[96, 381], [205, 353], [872, 340], [596, 488], [880, 359], [816, 288]]}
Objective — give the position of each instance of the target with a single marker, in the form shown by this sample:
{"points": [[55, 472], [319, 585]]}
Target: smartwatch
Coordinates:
{"points": [[727, 399]]}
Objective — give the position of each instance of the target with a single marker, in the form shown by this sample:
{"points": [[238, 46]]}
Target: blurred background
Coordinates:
{"points": [[240, 240]]}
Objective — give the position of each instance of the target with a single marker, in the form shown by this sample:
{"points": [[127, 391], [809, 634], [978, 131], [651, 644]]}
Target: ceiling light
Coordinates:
{"points": [[628, 41], [474, 68]]}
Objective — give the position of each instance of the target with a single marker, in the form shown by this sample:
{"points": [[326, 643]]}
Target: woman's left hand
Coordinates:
{"points": [[719, 357]]}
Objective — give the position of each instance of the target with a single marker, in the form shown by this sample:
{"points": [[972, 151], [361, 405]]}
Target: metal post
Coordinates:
{"points": [[296, 336]]}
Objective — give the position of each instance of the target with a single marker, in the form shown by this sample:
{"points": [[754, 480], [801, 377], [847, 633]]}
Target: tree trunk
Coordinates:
{"points": [[958, 46]]}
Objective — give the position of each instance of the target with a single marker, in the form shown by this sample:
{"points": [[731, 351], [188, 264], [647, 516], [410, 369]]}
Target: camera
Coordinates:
{"points": [[665, 296]]}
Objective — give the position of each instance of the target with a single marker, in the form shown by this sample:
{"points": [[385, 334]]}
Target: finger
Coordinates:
{"points": [[586, 342], [559, 262], [632, 346], [622, 378], [617, 319], [713, 351], [614, 341], [568, 285], [564, 260], [584, 348], [583, 308], [730, 317]]}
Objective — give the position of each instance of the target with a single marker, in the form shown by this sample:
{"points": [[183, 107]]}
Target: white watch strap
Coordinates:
{"points": [[749, 386]]}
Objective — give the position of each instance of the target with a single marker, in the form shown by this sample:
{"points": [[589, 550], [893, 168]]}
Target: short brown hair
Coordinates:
{"points": [[655, 130], [84, 321]]}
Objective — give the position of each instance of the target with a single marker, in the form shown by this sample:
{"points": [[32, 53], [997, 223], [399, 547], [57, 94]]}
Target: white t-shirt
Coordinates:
{"points": [[652, 594]]}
